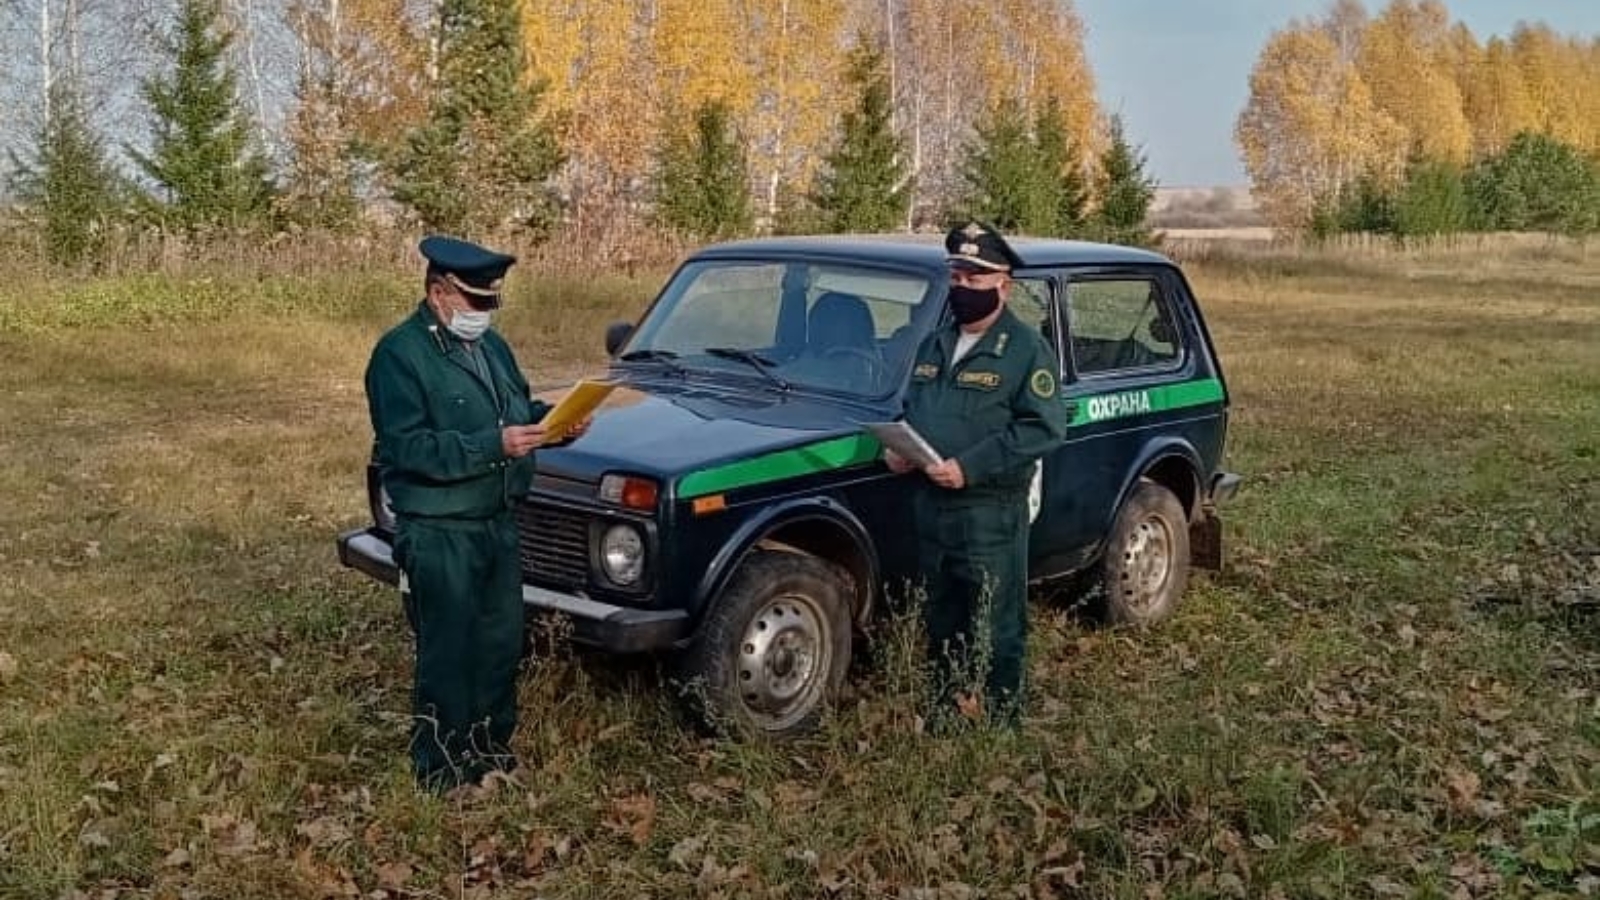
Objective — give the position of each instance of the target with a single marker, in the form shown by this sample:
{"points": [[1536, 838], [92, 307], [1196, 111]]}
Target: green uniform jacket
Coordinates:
{"points": [[438, 422], [996, 410]]}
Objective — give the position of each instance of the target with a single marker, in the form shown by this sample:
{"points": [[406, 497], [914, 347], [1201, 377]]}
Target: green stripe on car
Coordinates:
{"points": [[822, 456], [1116, 405]]}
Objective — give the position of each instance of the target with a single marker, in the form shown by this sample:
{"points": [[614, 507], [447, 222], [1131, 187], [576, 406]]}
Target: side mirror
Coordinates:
{"points": [[617, 334]]}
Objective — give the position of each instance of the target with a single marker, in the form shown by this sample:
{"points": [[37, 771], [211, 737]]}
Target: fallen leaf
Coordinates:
{"points": [[1463, 785], [393, 876], [8, 667]]}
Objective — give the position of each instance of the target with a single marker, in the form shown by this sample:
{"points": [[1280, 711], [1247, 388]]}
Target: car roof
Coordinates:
{"points": [[928, 250]]}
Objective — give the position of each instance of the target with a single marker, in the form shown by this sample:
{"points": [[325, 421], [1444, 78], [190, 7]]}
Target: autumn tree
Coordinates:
{"points": [[703, 187], [864, 186], [358, 89], [1404, 60], [1310, 128], [1123, 191], [70, 187], [204, 158], [482, 160]]}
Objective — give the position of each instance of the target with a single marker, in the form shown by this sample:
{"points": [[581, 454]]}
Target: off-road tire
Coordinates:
{"points": [[1146, 564], [773, 649]]}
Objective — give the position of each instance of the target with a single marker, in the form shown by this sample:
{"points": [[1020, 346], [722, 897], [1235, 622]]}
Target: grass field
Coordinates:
{"points": [[1392, 690]]}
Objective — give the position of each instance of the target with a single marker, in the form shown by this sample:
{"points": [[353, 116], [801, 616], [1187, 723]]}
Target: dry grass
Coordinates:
{"points": [[1391, 691]]}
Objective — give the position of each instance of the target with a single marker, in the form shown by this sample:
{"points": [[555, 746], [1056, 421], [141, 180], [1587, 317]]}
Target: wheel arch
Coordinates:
{"points": [[1174, 465], [815, 526]]}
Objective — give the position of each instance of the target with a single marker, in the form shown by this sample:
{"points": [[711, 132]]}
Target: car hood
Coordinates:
{"points": [[668, 430]]}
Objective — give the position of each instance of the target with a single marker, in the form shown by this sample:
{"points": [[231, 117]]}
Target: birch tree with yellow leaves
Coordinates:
{"points": [[1405, 62], [1310, 127]]}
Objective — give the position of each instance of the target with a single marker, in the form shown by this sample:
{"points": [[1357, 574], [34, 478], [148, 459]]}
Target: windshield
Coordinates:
{"points": [[823, 326]]}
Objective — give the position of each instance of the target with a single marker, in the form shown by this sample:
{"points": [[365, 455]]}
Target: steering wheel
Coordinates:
{"points": [[876, 367]]}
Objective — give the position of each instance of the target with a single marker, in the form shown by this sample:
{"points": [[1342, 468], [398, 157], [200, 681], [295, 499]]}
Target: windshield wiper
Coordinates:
{"points": [[754, 360], [666, 357]]}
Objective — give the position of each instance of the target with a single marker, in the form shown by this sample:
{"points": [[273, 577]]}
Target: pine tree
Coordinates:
{"points": [[1537, 184], [1125, 192], [71, 187], [203, 158], [864, 185], [483, 159], [703, 182]]}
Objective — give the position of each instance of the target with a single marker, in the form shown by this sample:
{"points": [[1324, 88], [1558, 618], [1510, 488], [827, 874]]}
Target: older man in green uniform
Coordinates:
{"points": [[984, 394], [456, 427]]}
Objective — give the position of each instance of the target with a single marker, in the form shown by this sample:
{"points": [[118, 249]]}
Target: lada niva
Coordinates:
{"points": [[728, 508]]}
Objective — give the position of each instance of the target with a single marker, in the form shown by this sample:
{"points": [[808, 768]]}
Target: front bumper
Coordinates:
{"points": [[617, 629]]}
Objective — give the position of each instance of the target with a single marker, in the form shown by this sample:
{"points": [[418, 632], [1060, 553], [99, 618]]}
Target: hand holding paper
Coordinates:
{"points": [[905, 442], [575, 410]]}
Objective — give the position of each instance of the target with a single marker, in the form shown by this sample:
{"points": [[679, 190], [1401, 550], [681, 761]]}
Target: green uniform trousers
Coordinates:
{"points": [[466, 599], [973, 553]]}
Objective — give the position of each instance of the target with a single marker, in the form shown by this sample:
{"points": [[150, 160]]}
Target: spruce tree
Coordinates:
{"points": [[71, 188], [483, 160], [1125, 192], [204, 161], [1005, 183], [864, 185], [1066, 189], [702, 180]]}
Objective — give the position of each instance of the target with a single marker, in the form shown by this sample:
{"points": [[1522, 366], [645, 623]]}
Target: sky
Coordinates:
{"points": [[1178, 71]]}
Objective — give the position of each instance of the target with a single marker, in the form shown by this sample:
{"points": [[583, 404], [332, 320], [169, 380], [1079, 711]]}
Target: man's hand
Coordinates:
{"points": [[896, 463], [947, 474], [519, 440], [578, 429]]}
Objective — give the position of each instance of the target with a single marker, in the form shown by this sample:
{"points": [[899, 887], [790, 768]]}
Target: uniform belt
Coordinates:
{"points": [[457, 523]]}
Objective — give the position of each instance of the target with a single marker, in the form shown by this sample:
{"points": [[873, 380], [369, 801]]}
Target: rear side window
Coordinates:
{"points": [[1120, 324]]}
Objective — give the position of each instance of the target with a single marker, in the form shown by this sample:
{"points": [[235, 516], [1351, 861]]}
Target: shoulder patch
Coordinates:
{"points": [[1043, 383]]}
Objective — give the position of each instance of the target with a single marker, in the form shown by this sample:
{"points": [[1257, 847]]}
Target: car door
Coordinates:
{"points": [[1126, 347]]}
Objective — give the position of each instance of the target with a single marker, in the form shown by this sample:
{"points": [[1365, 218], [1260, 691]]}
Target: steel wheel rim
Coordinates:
{"points": [[784, 656], [1146, 565]]}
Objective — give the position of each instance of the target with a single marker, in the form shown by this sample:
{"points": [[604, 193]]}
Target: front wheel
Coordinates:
{"points": [[774, 647], [1146, 565]]}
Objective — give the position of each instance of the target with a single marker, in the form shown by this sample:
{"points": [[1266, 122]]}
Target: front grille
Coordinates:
{"points": [[553, 544]]}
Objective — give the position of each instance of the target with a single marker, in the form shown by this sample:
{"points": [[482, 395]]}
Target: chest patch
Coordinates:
{"points": [[985, 380], [925, 370]]}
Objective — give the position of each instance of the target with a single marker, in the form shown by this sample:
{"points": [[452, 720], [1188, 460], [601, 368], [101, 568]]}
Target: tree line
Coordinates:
{"points": [[1404, 123], [708, 118]]}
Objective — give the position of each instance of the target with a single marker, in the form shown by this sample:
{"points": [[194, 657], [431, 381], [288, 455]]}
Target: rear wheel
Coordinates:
{"points": [[1146, 564], [774, 648]]}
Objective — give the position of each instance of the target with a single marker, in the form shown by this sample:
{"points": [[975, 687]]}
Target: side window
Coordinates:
{"points": [[1120, 323], [1030, 301]]}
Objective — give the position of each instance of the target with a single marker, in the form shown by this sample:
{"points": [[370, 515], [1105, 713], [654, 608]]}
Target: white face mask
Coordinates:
{"points": [[469, 326]]}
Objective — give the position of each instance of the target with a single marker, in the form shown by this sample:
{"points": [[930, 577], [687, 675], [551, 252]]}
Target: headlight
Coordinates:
{"points": [[622, 554]]}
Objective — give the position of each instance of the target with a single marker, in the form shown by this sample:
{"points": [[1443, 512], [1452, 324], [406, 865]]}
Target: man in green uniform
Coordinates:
{"points": [[456, 428], [984, 394]]}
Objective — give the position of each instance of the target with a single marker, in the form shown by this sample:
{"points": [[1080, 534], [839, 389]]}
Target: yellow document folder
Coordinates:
{"points": [[579, 402]]}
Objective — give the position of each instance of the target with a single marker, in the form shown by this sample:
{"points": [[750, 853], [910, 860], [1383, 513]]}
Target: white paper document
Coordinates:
{"points": [[905, 442]]}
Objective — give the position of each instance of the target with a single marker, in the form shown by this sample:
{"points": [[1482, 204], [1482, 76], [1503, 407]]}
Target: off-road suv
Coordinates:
{"points": [[727, 507]]}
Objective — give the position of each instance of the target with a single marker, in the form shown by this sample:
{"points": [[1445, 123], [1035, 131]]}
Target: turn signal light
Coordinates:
{"points": [[630, 491]]}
